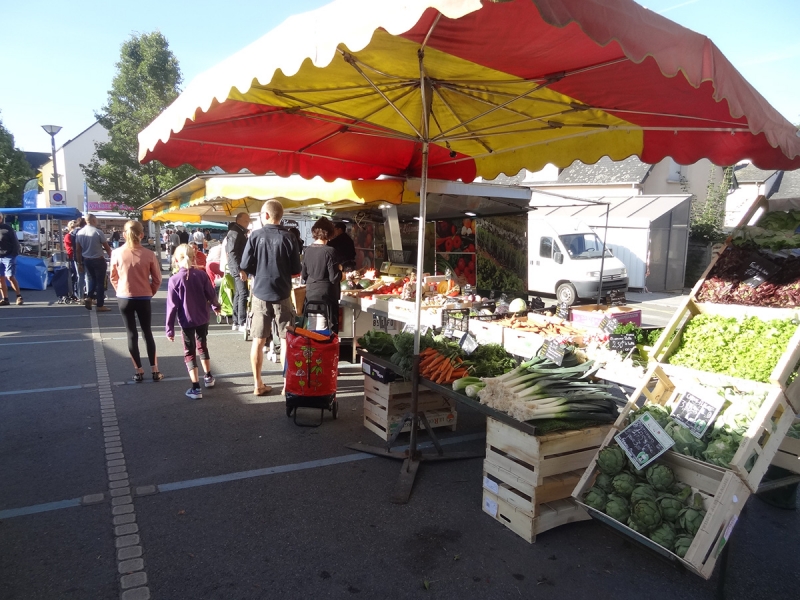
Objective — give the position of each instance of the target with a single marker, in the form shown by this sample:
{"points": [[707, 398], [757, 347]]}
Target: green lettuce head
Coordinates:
{"points": [[721, 450], [685, 442]]}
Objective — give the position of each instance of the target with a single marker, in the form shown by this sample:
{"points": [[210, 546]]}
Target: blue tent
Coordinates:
{"points": [[65, 213]]}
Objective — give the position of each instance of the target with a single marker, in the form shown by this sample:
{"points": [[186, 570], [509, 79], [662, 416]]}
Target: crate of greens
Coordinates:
{"points": [[738, 424], [753, 343], [788, 455]]}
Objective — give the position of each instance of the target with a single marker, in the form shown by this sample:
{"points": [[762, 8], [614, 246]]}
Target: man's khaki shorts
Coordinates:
{"points": [[265, 312]]}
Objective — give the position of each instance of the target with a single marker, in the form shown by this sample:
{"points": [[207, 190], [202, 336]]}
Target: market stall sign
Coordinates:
{"points": [[616, 298], [643, 441], [696, 411], [622, 342], [608, 324], [408, 328], [758, 271], [562, 311], [553, 351], [468, 343]]}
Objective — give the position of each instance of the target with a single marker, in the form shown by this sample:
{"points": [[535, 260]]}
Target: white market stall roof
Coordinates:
{"points": [[220, 197], [630, 211]]}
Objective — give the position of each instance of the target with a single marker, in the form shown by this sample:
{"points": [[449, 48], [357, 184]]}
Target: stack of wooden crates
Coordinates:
{"points": [[385, 404], [528, 479], [724, 490]]}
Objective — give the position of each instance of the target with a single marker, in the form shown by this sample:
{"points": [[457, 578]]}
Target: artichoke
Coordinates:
{"points": [[639, 474], [624, 483], [685, 442], [691, 517], [611, 460], [664, 535], [660, 477], [671, 505], [682, 543], [658, 412], [646, 513], [596, 498], [636, 526], [643, 491], [617, 508], [603, 481]]}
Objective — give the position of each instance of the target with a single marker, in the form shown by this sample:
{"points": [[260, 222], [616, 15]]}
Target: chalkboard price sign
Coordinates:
{"points": [[554, 353], [616, 298], [562, 311], [643, 441], [622, 342], [696, 413], [758, 270], [468, 343], [608, 325]]}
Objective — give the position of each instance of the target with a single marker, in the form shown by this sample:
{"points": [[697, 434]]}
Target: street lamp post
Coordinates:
{"points": [[52, 130]]}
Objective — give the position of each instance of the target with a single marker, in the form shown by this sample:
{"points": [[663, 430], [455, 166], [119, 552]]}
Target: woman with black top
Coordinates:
{"points": [[321, 273]]}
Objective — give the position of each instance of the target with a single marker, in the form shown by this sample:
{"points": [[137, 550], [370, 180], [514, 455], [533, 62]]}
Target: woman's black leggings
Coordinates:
{"points": [[130, 309]]}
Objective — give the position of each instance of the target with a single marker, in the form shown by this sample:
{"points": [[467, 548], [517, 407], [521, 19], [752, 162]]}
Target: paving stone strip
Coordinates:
{"points": [[130, 564]]}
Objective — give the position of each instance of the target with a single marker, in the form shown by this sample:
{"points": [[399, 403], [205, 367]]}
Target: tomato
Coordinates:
{"points": [[456, 242], [448, 245], [470, 248], [461, 264]]}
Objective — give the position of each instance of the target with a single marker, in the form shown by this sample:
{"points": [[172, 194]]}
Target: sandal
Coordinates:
{"points": [[158, 376], [138, 377], [262, 391]]}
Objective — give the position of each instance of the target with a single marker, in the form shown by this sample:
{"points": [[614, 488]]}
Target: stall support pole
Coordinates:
{"points": [[158, 244], [603, 257], [39, 235], [412, 457]]}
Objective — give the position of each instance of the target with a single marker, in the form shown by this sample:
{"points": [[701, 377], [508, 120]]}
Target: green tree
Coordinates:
{"points": [[708, 218], [14, 170], [147, 81]]}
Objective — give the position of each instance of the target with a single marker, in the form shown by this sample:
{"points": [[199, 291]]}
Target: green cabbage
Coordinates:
{"points": [[685, 442], [721, 450]]}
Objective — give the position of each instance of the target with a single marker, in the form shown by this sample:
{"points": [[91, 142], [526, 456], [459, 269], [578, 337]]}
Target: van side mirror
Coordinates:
{"points": [[558, 257]]}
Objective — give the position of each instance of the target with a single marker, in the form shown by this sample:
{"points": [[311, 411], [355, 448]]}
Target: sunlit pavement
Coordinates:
{"points": [[112, 489]]}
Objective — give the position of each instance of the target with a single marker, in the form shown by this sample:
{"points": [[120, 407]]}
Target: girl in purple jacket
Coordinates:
{"points": [[188, 296]]}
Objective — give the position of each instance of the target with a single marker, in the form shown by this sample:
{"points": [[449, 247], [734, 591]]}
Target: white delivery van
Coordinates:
{"points": [[564, 257]]}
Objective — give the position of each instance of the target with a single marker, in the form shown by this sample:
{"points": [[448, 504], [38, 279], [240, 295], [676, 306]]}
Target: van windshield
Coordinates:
{"points": [[581, 246]]}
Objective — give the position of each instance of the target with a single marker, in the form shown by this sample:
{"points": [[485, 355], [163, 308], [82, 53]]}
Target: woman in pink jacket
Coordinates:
{"points": [[136, 277]]}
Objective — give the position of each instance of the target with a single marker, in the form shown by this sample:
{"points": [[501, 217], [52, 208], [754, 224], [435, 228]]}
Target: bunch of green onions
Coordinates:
{"points": [[540, 389]]}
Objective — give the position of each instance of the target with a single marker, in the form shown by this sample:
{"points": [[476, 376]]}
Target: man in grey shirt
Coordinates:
{"points": [[89, 247]]}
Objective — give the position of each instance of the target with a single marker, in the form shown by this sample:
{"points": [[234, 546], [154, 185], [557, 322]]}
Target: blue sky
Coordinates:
{"points": [[57, 60]]}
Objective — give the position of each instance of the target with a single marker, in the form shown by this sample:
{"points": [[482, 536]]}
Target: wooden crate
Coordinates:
{"points": [[793, 392], [523, 496], [533, 458], [385, 404], [550, 515], [788, 455], [524, 344], [486, 332], [724, 497], [662, 385], [670, 338]]}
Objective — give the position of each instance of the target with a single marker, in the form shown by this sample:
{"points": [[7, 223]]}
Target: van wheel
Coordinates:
{"points": [[566, 293]]}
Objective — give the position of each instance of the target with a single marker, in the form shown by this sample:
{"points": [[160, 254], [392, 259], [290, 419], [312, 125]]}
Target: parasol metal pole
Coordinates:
{"points": [[158, 245], [603, 257]]}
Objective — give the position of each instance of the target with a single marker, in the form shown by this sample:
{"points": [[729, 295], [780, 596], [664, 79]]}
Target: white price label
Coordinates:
{"points": [[365, 368], [490, 507], [491, 485]]}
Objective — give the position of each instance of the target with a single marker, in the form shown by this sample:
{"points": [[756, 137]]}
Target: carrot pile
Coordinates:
{"points": [[441, 368]]}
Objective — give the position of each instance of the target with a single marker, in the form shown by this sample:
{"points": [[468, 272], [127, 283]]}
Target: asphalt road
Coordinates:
{"points": [[247, 505]]}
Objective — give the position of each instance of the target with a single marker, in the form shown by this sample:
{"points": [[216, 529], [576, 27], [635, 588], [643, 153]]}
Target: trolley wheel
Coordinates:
{"points": [[335, 408]]}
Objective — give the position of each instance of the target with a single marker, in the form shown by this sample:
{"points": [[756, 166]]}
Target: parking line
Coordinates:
{"points": [[47, 342], [39, 508], [52, 389]]}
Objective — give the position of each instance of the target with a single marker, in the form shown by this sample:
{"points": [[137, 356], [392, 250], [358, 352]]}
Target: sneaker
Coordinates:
{"points": [[4, 302], [194, 394], [234, 327], [209, 381], [103, 309], [19, 300]]}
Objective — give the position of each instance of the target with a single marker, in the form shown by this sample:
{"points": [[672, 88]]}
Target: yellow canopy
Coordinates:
{"points": [[204, 197]]}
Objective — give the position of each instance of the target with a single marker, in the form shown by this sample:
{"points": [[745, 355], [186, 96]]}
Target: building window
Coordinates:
{"points": [[674, 172]]}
